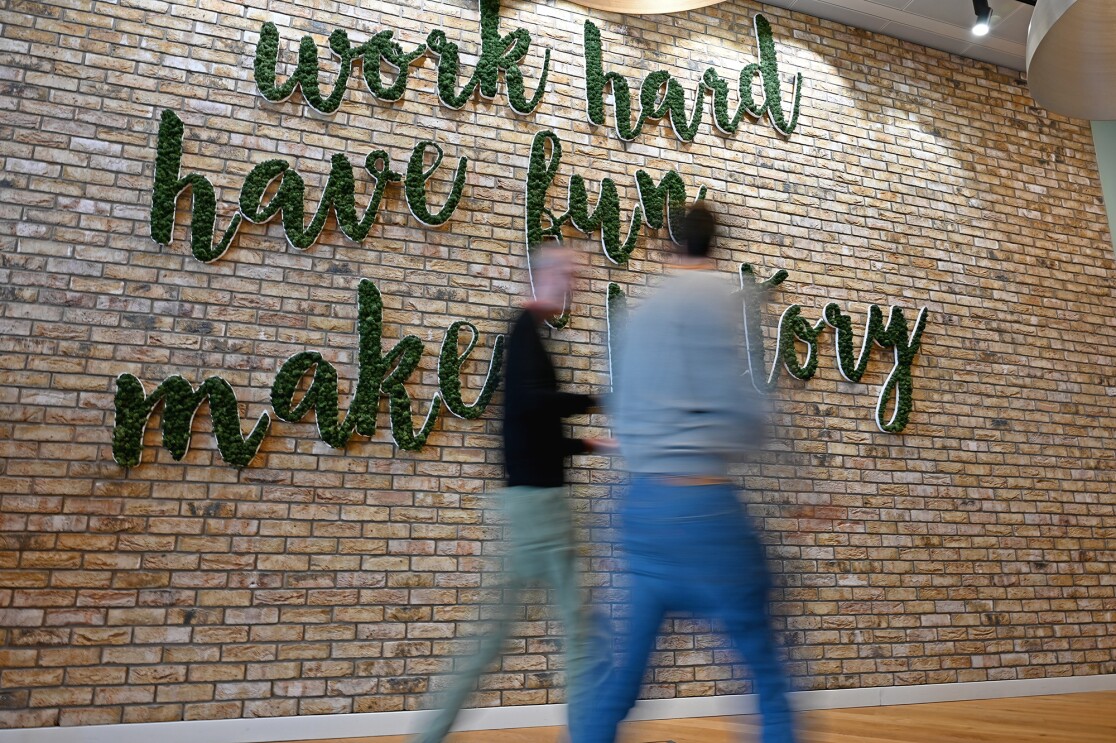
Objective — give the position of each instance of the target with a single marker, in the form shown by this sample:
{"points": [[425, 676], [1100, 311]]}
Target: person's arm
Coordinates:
{"points": [[565, 404], [575, 446], [528, 384], [590, 446]]}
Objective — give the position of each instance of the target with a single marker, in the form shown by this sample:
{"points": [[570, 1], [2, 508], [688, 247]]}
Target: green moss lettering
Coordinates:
{"points": [[596, 80], [852, 368], [321, 396], [417, 176], [665, 204], [794, 327], [772, 85], [746, 105], [169, 186], [449, 371], [180, 404], [899, 384], [604, 217], [288, 199], [661, 95], [380, 48], [897, 393], [380, 374], [498, 54]]}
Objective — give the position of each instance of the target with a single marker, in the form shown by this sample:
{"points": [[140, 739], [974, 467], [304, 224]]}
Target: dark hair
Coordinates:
{"points": [[698, 229]]}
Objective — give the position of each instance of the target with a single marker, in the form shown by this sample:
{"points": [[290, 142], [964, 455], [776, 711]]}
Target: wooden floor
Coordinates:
{"points": [[1066, 718]]}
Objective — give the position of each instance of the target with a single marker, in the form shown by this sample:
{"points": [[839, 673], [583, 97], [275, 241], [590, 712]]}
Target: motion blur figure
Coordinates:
{"points": [[541, 546], [683, 411]]}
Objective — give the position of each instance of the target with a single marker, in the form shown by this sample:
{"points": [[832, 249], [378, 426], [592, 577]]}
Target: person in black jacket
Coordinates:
{"points": [[540, 529]]}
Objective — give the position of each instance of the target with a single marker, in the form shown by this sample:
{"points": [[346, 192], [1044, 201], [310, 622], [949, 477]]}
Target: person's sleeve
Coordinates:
{"points": [[568, 403], [573, 446], [526, 387]]}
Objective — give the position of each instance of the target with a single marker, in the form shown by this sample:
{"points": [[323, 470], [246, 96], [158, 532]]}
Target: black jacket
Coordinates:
{"points": [[534, 446]]}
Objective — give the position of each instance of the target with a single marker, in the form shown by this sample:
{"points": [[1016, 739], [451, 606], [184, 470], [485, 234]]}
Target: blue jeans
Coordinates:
{"points": [[691, 548]]}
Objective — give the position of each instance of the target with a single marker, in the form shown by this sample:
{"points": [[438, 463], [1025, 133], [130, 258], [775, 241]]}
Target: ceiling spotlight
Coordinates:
{"points": [[983, 18]]}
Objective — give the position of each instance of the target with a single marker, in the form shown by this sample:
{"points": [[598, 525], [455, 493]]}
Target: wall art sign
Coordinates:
{"points": [[273, 189]]}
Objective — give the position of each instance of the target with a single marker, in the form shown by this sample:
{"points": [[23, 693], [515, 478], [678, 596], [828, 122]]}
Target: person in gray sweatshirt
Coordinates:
{"points": [[683, 410]]}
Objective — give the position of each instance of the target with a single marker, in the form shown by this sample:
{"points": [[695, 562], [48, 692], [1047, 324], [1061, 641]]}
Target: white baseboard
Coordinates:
{"points": [[311, 727]]}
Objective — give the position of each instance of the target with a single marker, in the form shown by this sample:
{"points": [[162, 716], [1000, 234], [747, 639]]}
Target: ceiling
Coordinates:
{"points": [[940, 24]]}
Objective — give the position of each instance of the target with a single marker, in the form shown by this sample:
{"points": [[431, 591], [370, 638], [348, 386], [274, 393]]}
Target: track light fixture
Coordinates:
{"points": [[983, 17]]}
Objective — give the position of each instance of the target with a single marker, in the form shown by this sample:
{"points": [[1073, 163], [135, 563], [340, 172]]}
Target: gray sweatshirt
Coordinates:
{"points": [[682, 404]]}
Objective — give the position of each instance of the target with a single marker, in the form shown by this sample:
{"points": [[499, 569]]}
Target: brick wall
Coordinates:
{"points": [[977, 545]]}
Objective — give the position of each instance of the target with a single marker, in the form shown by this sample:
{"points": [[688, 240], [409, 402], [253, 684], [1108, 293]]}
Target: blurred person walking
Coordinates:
{"points": [[541, 544], [683, 411]]}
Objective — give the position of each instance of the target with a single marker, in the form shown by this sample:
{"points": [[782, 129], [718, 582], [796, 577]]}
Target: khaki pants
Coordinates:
{"points": [[541, 551]]}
